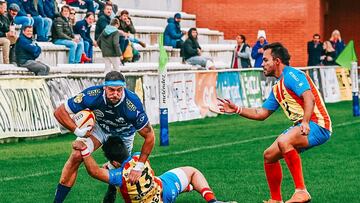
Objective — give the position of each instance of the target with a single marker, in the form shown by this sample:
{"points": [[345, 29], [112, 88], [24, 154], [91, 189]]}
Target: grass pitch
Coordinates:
{"points": [[227, 149]]}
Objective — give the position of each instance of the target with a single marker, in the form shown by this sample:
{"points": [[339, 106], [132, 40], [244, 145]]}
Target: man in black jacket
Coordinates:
{"points": [[191, 51], [103, 20], [5, 33], [314, 50], [27, 51]]}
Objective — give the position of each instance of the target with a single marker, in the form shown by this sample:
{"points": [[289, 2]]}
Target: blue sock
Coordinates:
{"points": [[61, 192]]}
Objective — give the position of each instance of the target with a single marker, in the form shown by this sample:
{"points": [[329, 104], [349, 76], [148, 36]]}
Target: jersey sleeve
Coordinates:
{"points": [[115, 177], [138, 117], [296, 81], [271, 103], [81, 101]]}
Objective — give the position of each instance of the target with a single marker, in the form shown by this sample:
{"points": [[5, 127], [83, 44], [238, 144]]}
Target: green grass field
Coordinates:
{"points": [[227, 149]]}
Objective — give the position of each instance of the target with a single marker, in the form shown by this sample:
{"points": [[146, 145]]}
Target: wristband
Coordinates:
{"points": [[85, 152], [78, 132], [239, 110], [139, 166]]}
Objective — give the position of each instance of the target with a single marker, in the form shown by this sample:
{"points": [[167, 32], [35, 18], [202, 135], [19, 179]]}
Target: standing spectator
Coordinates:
{"points": [[192, 51], [63, 34], [102, 4], [11, 14], [173, 33], [27, 51], [83, 29], [329, 54], [257, 50], [314, 51], [241, 54], [41, 25], [110, 48], [51, 8], [5, 33], [89, 5], [103, 20], [22, 18], [337, 43]]}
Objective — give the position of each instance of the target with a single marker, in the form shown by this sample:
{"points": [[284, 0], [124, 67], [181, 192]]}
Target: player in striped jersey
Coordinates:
{"points": [[149, 188], [296, 94]]}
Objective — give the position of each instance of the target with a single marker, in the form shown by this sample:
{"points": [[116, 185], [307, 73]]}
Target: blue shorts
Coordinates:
{"points": [[317, 135], [173, 182]]}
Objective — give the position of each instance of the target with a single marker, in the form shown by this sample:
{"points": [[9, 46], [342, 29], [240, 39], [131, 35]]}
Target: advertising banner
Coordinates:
{"points": [[330, 85], [229, 87], [151, 97], [205, 93], [344, 81], [250, 84]]}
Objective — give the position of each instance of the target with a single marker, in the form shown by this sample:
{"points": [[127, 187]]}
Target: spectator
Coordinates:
{"points": [[42, 25], [27, 51], [257, 50], [314, 51], [11, 14], [63, 34], [126, 28], [89, 5], [72, 17], [5, 33], [337, 43], [51, 8], [241, 54], [102, 4], [329, 54], [192, 51], [39, 4], [173, 33], [22, 18], [110, 47], [103, 20], [83, 29]]}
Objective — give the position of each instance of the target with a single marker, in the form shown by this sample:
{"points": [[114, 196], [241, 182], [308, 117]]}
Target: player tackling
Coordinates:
{"points": [[119, 112], [296, 94]]}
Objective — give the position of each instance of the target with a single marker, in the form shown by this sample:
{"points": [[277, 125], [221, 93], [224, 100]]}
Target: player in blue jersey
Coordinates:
{"points": [[119, 112], [150, 188]]}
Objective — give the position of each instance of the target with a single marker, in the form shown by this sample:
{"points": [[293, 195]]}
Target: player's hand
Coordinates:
{"points": [[78, 145], [134, 176], [305, 128], [82, 132], [226, 106]]}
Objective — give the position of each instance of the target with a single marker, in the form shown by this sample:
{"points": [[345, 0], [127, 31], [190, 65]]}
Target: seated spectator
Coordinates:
{"points": [[257, 50], [62, 34], [173, 33], [22, 18], [72, 17], [241, 54], [329, 54], [42, 25], [103, 20], [82, 28], [314, 51], [110, 48], [102, 5], [5, 33], [39, 4], [51, 8], [89, 5], [191, 51], [27, 51], [12, 36], [337, 43]]}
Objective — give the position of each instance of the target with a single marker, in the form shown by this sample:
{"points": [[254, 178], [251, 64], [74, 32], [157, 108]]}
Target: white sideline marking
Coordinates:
{"points": [[174, 153]]}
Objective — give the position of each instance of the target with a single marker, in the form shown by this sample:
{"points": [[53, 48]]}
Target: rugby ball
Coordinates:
{"points": [[84, 118]]}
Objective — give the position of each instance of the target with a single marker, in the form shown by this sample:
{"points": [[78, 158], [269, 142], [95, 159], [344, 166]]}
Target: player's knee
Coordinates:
{"points": [[267, 155], [75, 156], [283, 144]]}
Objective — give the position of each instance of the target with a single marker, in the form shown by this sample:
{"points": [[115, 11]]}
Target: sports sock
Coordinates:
{"points": [[293, 162], [274, 177], [61, 192], [208, 195]]}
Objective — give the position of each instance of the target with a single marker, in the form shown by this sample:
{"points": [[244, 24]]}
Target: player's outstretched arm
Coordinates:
{"points": [[91, 166], [227, 106]]}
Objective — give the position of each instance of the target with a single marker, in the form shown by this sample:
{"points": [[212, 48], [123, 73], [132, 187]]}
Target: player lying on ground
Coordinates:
{"points": [[149, 188], [302, 103]]}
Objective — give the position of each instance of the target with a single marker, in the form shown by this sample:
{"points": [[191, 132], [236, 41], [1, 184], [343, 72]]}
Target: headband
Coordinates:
{"points": [[115, 83]]}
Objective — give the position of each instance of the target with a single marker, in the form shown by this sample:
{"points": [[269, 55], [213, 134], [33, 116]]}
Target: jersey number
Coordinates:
{"points": [[147, 178]]}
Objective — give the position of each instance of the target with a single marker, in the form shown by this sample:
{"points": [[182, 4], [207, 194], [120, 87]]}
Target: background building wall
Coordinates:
{"points": [[291, 22]]}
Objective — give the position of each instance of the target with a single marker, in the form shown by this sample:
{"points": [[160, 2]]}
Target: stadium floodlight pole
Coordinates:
{"points": [[355, 88], [164, 127]]}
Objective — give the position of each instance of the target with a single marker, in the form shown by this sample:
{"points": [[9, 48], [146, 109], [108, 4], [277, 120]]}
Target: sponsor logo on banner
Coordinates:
{"points": [[151, 97], [229, 87], [250, 84], [25, 109], [330, 85], [205, 97], [344, 80]]}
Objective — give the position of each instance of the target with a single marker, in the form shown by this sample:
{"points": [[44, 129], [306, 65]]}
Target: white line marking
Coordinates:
{"points": [[174, 153]]}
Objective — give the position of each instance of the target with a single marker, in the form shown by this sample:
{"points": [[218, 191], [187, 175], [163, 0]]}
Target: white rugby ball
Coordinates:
{"points": [[84, 118]]}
